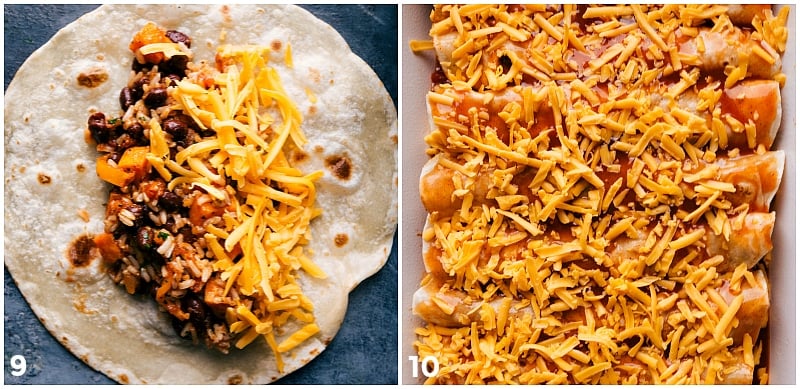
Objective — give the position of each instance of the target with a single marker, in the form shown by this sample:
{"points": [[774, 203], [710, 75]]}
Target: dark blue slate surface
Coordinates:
{"points": [[365, 349]]}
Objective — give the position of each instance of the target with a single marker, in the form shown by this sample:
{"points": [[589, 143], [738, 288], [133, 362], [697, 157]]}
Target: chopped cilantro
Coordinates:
{"points": [[163, 235]]}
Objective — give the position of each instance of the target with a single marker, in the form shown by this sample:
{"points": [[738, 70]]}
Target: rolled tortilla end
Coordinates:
{"points": [[752, 101], [731, 48], [436, 187], [756, 178], [443, 307], [742, 14], [754, 312], [747, 244], [444, 44]]}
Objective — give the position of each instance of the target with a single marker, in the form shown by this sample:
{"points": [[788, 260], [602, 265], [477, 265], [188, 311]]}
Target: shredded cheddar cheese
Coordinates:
{"points": [[270, 202], [585, 239]]}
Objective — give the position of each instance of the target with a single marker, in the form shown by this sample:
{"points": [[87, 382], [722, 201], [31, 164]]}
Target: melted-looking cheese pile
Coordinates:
{"points": [[615, 165], [261, 248]]}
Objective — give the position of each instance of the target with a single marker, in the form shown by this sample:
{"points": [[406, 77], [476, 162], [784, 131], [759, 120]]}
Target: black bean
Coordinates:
{"points": [[97, 121], [181, 127], [197, 313], [138, 67], [138, 87], [185, 119], [175, 127], [169, 225], [170, 201], [144, 238], [178, 37], [176, 65], [188, 237], [155, 98], [126, 98], [98, 127], [189, 138], [136, 130]]}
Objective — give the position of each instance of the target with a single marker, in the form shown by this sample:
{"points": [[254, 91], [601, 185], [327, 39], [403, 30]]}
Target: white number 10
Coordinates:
{"points": [[427, 370]]}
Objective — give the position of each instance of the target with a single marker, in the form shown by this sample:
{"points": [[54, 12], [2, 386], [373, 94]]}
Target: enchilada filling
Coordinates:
{"points": [[206, 214], [599, 193]]}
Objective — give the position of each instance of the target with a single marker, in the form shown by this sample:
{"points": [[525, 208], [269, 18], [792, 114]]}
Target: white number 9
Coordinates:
{"points": [[18, 365]]}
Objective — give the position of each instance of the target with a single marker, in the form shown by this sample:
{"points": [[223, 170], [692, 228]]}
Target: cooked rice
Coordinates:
{"points": [[193, 268], [166, 248], [154, 218], [186, 284]]}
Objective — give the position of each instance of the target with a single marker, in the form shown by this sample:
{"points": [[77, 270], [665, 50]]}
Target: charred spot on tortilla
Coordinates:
{"points": [[82, 251], [298, 156], [92, 77], [276, 45], [340, 240], [43, 179], [80, 167], [340, 166], [235, 379]]}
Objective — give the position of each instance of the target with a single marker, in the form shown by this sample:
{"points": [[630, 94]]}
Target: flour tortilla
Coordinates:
{"points": [[49, 173]]}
